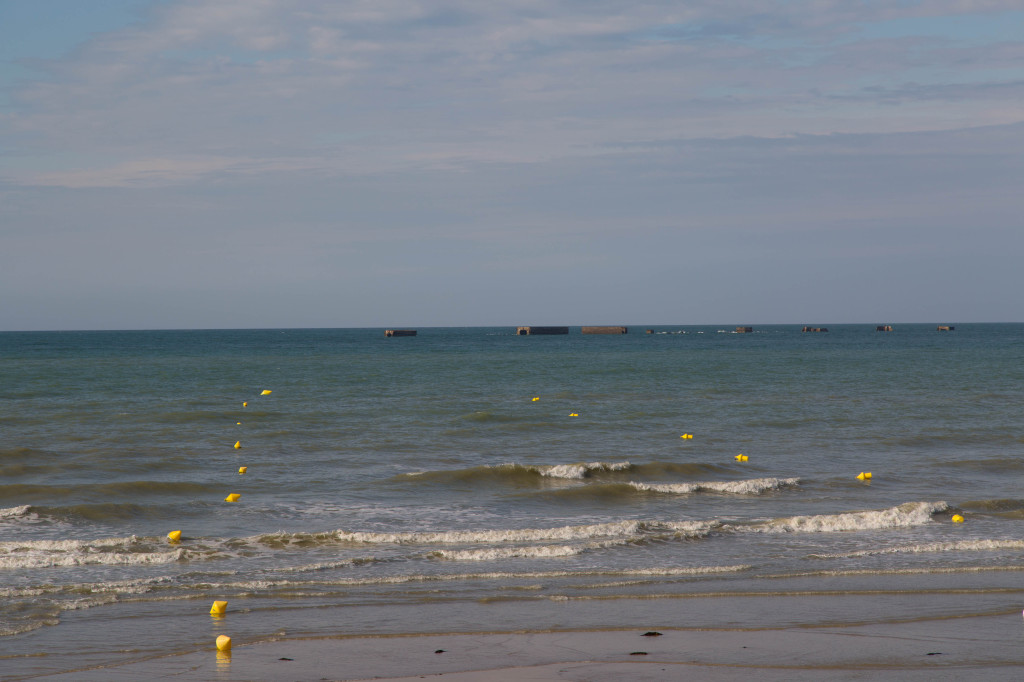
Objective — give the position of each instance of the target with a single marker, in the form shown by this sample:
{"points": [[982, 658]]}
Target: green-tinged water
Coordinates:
{"points": [[441, 483]]}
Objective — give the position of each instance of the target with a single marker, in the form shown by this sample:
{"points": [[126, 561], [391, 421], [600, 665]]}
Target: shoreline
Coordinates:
{"points": [[979, 648]]}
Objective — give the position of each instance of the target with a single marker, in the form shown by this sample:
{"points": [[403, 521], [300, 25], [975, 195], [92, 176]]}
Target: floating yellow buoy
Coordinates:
{"points": [[536, 398], [233, 497], [741, 458], [244, 404], [265, 392], [573, 414], [223, 643], [864, 475], [174, 535], [687, 436], [238, 423], [238, 445], [957, 518], [218, 608], [242, 470]]}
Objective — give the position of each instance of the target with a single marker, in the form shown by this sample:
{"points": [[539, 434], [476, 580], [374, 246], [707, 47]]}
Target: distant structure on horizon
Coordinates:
{"points": [[541, 331], [883, 328], [744, 330], [604, 330], [399, 332], [945, 328], [814, 329]]}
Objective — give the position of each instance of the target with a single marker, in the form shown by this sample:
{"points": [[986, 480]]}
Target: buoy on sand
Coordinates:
{"points": [[218, 608], [223, 643], [233, 497], [174, 536]]}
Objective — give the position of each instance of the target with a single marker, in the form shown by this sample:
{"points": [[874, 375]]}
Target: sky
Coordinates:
{"points": [[399, 163]]}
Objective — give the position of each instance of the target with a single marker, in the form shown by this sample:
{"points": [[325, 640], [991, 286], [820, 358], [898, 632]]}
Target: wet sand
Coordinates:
{"points": [[976, 648]]}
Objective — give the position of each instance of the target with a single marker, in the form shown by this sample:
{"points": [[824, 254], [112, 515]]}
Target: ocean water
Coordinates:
{"points": [[470, 480]]}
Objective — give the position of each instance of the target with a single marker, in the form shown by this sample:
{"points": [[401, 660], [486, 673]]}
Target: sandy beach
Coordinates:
{"points": [[976, 648]]}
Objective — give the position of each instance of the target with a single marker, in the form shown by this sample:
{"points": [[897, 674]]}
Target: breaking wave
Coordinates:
{"points": [[752, 486], [902, 516]]}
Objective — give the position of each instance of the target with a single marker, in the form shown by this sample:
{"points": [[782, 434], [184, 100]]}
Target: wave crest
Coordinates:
{"points": [[754, 486], [902, 516]]}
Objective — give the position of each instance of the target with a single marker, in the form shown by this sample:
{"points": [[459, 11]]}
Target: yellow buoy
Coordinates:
{"points": [[242, 470], [536, 398], [238, 423], [864, 475], [218, 608], [573, 414], [244, 404], [689, 436], [266, 392], [174, 535], [223, 643], [233, 497], [957, 518], [685, 436], [238, 445], [741, 458]]}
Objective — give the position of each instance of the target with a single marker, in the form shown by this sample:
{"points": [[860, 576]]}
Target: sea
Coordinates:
{"points": [[475, 480]]}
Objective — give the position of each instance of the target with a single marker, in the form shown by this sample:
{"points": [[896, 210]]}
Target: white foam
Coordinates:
{"points": [[752, 486], [578, 471], [530, 552], [112, 552], [496, 553], [67, 545], [528, 575], [618, 528], [958, 546], [15, 512], [92, 559], [902, 516]]}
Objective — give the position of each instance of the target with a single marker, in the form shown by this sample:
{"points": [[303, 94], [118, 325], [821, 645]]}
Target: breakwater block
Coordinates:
{"points": [[883, 328], [541, 331], [399, 332], [605, 330], [744, 330], [945, 328]]}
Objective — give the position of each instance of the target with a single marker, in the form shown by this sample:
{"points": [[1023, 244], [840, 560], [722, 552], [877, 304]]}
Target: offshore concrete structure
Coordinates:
{"points": [[541, 331]]}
